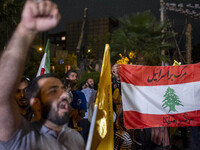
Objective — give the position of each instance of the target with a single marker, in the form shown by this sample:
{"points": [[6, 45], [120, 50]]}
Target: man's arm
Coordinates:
{"points": [[36, 17]]}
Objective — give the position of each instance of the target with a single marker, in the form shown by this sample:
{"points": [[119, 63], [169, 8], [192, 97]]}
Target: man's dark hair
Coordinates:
{"points": [[88, 79], [33, 89], [25, 79], [70, 71], [67, 82]]}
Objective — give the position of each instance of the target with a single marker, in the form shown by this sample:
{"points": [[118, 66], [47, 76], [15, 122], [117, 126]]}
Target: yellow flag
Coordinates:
{"points": [[103, 138], [175, 63]]}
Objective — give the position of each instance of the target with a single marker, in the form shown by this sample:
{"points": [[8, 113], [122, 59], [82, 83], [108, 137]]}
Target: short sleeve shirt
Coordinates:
{"points": [[35, 136]]}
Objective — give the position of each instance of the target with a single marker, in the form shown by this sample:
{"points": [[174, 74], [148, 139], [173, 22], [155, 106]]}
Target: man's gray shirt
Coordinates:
{"points": [[35, 136]]}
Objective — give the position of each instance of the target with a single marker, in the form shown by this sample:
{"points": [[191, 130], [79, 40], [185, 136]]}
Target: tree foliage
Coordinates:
{"points": [[10, 12], [69, 60], [171, 100], [33, 63], [143, 34]]}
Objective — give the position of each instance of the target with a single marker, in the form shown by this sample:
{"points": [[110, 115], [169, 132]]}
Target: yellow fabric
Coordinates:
{"points": [[103, 138], [116, 94], [117, 99], [175, 63]]}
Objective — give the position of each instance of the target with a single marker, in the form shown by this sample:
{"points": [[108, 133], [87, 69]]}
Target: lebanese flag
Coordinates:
{"points": [[45, 62], [156, 96]]}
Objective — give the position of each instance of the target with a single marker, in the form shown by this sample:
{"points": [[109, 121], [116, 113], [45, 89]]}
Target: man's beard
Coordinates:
{"points": [[22, 104], [48, 113], [90, 86]]}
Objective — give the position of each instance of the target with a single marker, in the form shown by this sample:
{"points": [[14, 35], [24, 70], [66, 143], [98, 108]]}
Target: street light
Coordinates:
{"points": [[40, 49], [63, 38]]}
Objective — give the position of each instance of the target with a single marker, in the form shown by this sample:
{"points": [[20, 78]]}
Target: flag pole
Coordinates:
{"points": [[91, 132]]}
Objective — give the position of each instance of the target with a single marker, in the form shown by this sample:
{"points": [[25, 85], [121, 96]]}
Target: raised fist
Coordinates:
{"points": [[39, 16]]}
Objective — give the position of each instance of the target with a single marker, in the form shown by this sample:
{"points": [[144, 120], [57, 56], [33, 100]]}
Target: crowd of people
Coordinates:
{"points": [[80, 101], [51, 113]]}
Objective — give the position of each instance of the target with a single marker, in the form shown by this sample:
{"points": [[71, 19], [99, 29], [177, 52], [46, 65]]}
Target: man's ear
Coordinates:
{"points": [[34, 102], [36, 106]]}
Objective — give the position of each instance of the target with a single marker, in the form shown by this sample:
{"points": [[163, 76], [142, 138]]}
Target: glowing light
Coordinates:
{"points": [[63, 38], [40, 48]]}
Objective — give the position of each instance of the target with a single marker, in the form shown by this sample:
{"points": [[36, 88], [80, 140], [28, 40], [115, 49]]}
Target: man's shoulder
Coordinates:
{"points": [[26, 132], [85, 90], [68, 130], [73, 138], [80, 94], [77, 92]]}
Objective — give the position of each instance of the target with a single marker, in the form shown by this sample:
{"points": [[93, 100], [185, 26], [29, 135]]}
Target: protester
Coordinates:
{"points": [[141, 137], [122, 139], [68, 88], [71, 75], [82, 86], [116, 91], [22, 100], [49, 92], [89, 91], [116, 88], [78, 103], [49, 133]]}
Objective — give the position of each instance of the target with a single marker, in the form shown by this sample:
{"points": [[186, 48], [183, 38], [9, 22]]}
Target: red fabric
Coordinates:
{"points": [[42, 71], [136, 120], [159, 75]]}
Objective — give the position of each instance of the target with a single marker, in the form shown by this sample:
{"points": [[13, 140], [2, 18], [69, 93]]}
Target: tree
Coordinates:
{"points": [[68, 60], [171, 100], [195, 53], [33, 63], [10, 12], [141, 33], [189, 43]]}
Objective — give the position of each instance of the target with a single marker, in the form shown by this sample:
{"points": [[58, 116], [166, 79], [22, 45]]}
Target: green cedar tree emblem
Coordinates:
{"points": [[171, 100]]}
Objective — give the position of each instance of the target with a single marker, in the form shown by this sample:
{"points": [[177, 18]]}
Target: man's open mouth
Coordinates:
{"points": [[63, 106]]}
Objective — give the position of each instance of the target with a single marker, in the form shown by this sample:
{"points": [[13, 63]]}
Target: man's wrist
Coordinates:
{"points": [[25, 31]]}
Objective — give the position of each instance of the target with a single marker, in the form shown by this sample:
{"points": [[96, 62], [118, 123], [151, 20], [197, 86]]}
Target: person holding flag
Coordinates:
{"points": [[101, 135]]}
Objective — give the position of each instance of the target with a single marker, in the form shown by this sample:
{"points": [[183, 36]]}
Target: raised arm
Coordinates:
{"points": [[36, 17]]}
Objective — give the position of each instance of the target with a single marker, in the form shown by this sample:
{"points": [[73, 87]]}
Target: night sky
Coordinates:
{"points": [[72, 10]]}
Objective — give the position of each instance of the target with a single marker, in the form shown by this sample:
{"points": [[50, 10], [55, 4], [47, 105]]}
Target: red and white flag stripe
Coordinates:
{"points": [[160, 96], [42, 67]]}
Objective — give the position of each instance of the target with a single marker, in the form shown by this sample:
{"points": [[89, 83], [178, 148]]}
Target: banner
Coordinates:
{"points": [[101, 135], [156, 96]]}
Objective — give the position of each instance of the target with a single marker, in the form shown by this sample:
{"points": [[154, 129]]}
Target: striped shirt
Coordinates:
{"points": [[122, 141]]}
